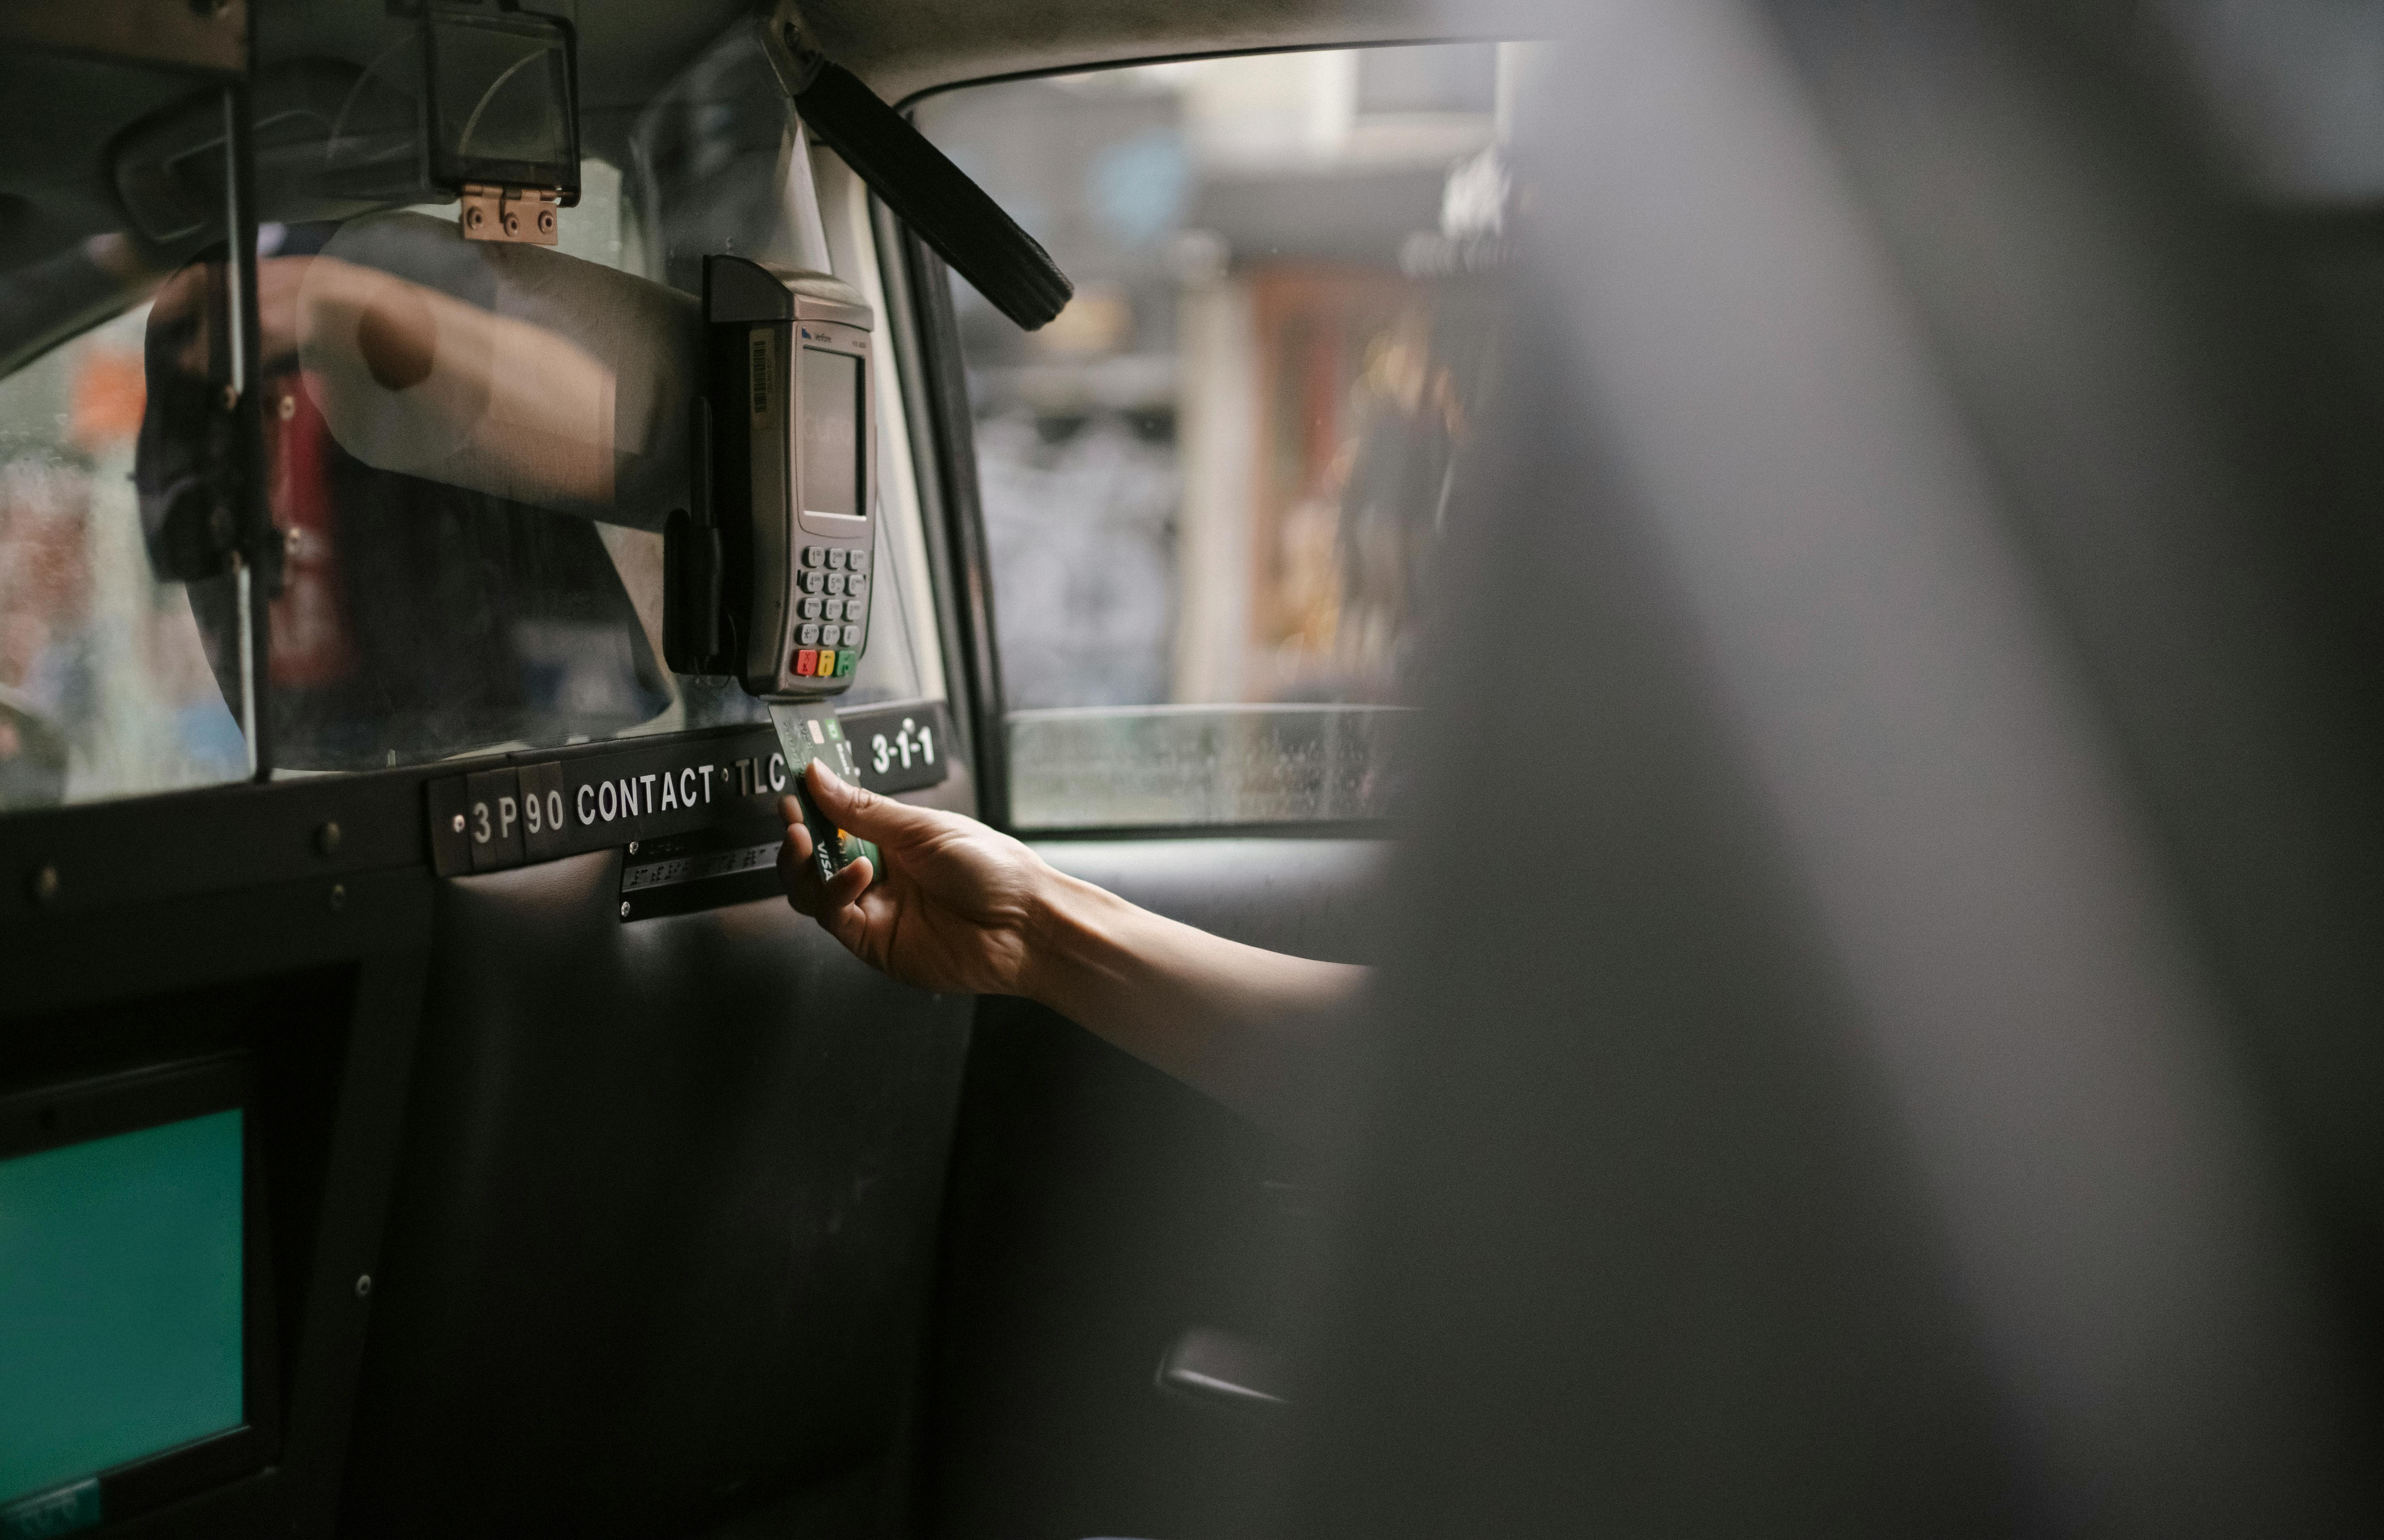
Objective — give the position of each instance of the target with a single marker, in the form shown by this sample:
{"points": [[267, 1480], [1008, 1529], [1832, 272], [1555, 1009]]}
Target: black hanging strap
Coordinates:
{"points": [[926, 191]]}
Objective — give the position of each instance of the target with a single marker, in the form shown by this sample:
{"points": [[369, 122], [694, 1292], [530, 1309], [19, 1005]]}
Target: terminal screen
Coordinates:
{"points": [[832, 419], [121, 1299]]}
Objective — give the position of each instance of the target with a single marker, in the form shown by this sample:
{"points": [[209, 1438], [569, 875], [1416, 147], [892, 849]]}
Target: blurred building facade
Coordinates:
{"points": [[1217, 477], [104, 688]]}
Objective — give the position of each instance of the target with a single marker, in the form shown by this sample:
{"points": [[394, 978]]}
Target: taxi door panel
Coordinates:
{"points": [[1099, 1211]]}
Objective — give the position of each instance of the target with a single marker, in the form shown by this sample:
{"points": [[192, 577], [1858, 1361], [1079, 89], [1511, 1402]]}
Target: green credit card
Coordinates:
{"points": [[810, 732]]}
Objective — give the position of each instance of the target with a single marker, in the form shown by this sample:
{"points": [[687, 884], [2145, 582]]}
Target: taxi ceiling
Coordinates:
{"points": [[904, 48], [629, 49], [633, 49]]}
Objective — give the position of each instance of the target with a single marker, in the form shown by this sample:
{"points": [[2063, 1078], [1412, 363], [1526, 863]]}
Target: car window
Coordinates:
{"points": [[1213, 487], [470, 447], [496, 433], [108, 687]]}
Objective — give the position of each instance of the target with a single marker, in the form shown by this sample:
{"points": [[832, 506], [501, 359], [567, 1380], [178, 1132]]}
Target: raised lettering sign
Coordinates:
{"points": [[544, 806]]}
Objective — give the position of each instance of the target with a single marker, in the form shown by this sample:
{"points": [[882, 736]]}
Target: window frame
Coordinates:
{"points": [[935, 383]]}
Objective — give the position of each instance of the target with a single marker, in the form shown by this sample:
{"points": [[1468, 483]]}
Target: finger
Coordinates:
{"points": [[845, 887], [797, 875], [881, 819], [849, 922], [790, 811]]}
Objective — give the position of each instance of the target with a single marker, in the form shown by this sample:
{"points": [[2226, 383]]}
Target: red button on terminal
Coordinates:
{"points": [[807, 660]]}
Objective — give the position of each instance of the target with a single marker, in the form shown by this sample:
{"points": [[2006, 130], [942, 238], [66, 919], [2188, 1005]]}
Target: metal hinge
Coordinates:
{"points": [[523, 214]]}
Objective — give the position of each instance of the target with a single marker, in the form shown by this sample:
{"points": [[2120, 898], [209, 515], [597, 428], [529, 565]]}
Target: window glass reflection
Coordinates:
{"points": [[473, 446], [107, 687], [470, 448], [449, 424]]}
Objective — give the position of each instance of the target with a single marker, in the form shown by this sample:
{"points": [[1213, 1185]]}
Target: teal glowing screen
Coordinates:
{"points": [[120, 1299]]}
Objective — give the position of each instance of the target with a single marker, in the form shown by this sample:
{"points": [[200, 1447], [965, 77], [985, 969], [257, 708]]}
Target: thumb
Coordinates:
{"points": [[864, 812]]}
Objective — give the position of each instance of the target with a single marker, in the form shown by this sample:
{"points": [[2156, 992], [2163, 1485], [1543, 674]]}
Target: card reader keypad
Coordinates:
{"points": [[834, 585]]}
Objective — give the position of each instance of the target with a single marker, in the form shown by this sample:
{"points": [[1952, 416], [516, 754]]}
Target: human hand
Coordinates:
{"points": [[951, 912]]}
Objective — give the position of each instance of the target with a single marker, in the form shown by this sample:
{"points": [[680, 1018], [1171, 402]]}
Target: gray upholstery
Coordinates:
{"points": [[1901, 1071]]}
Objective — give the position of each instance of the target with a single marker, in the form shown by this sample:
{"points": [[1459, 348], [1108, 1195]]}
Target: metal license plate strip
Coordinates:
{"points": [[706, 870], [677, 871]]}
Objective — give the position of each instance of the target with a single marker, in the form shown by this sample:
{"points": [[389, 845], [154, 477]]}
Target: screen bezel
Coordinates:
{"points": [[811, 334], [52, 1117], [856, 374]]}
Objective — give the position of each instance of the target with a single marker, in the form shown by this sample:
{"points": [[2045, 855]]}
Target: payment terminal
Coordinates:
{"points": [[772, 576]]}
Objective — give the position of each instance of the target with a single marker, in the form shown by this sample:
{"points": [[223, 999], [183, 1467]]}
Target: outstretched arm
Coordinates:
{"points": [[962, 908]]}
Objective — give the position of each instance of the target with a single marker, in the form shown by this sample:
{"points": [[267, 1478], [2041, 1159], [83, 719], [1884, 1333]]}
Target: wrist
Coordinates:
{"points": [[1065, 928]]}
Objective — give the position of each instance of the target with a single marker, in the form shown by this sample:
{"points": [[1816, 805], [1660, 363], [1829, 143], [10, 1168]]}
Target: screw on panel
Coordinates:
{"points": [[625, 909], [459, 823], [288, 407], [327, 838], [633, 847], [364, 1285]]}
